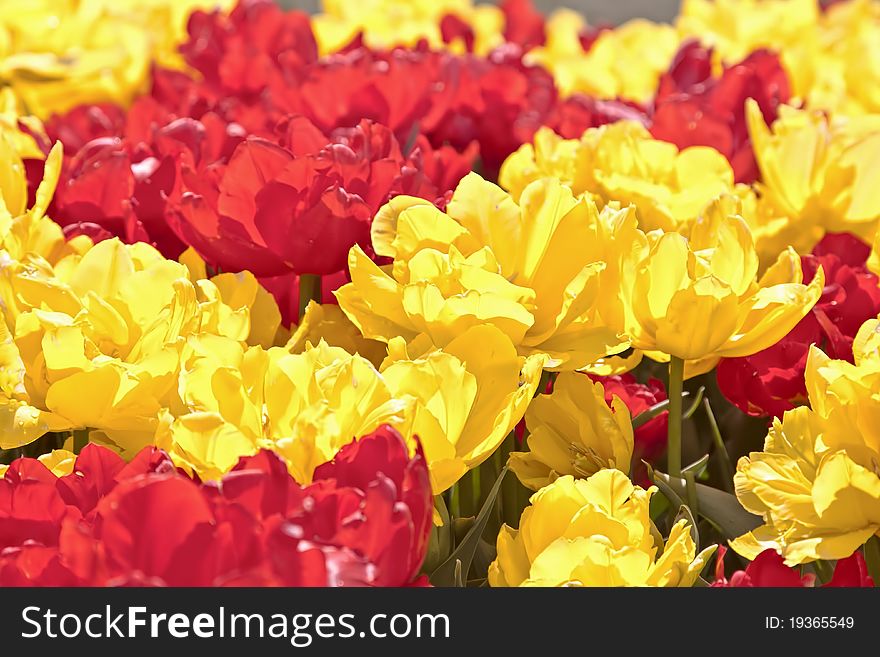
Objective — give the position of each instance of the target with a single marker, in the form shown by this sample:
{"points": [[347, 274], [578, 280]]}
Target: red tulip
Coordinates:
{"points": [[769, 570], [523, 24], [692, 108], [575, 114], [300, 205], [365, 520], [650, 438], [248, 51]]}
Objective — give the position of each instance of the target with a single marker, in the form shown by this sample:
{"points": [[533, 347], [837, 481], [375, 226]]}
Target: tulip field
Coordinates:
{"points": [[439, 293]]}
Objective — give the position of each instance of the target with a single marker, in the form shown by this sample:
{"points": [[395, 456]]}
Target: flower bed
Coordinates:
{"points": [[410, 293]]}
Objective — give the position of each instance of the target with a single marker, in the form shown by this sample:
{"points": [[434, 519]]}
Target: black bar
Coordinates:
{"points": [[550, 622]]}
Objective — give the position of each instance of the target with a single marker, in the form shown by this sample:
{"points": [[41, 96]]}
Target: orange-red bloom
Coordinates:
{"points": [[769, 570], [694, 108], [364, 520]]}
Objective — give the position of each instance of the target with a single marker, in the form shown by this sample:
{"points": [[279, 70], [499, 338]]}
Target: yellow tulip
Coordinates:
{"points": [[235, 304], [530, 269], [60, 462], [29, 231], [234, 399], [384, 24], [697, 298], [11, 117], [218, 416], [461, 402], [469, 396], [874, 258], [846, 77], [573, 432], [624, 62], [622, 162], [847, 396], [816, 174], [735, 28], [112, 321], [594, 532], [57, 54], [817, 481], [327, 322]]}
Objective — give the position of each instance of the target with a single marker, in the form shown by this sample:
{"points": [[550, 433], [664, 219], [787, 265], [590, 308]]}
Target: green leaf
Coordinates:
{"points": [[720, 447], [722, 509], [457, 576], [655, 410], [445, 574], [685, 513], [460, 528], [484, 555], [691, 488], [698, 466], [440, 542], [872, 558], [696, 403], [674, 498]]}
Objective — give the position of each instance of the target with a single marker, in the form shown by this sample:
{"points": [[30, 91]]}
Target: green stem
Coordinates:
{"points": [[466, 495], [489, 472], [720, 447], [872, 558], [673, 449], [476, 489], [509, 492], [80, 440], [823, 570], [455, 501], [309, 290]]}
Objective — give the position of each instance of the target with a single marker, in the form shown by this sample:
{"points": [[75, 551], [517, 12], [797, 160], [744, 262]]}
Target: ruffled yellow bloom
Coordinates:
{"points": [[736, 28], [817, 174], [56, 54], [874, 258], [59, 461], [461, 402], [845, 75], [817, 481], [529, 269], [22, 143], [594, 532], [234, 399], [622, 162], [224, 297], [388, 23], [625, 62], [112, 322], [469, 396], [573, 432], [327, 322], [697, 297], [29, 231]]}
